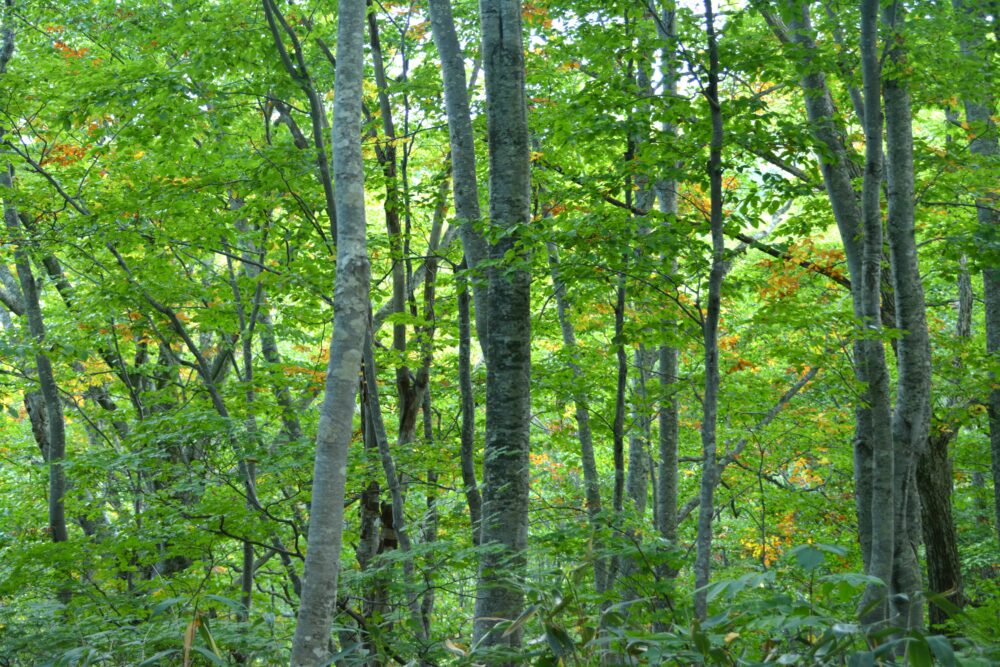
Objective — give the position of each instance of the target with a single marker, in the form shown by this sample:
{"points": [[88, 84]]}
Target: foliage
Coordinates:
{"points": [[171, 208]]}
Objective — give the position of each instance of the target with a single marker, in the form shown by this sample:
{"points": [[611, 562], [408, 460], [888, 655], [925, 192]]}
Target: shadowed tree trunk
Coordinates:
{"points": [[508, 400], [911, 416], [882, 538], [468, 432], [710, 331], [29, 301]]}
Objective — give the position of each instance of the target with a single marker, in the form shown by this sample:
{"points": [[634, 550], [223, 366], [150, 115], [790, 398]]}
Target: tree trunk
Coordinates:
{"points": [[911, 417], [944, 568], [468, 432], [591, 479], [838, 172], [880, 560], [508, 398], [463, 153], [310, 646], [56, 435], [710, 330], [669, 423]]}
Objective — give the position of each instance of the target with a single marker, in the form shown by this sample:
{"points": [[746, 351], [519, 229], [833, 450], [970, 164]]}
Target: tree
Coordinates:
{"points": [[508, 398], [350, 323], [710, 329]]}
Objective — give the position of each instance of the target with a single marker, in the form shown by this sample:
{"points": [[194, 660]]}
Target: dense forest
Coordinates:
{"points": [[532, 332]]}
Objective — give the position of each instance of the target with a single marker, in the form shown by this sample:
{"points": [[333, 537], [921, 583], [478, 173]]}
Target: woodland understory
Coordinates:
{"points": [[526, 332]]}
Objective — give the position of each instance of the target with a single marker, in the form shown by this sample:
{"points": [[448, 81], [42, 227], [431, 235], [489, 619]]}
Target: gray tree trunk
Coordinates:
{"points": [[56, 435], [880, 560], [710, 330], [310, 646], [467, 453], [463, 153], [508, 399], [911, 417], [666, 495], [838, 171]]}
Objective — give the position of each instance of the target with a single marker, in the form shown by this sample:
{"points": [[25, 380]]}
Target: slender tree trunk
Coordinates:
{"points": [[669, 423], [508, 399], [880, 560], [56, 436], [639, 472], [591, 480], [710, 330], [310, 646], [463, 153], [399, 525], [618, 428], [911, 417], [468, 432], [431, 525], [280, 31]]}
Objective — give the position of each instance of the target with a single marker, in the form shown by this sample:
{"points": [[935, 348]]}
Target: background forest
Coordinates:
{"points": [[671, 338]]}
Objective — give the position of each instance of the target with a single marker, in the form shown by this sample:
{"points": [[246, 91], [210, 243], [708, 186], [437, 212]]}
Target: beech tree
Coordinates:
{"points": [[350, 326], [508, 339]]}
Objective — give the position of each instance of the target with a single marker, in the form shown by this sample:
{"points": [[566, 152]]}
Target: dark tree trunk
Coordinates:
{"points": [[508, 399], [710, 331], [881, 470]]}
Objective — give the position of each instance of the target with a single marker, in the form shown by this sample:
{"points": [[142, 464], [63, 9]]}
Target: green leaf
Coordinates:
{"points": [[206, 636], [520, 620], [212, 657], [866, 659], [559, 640], [165, 605], [154, 659], [808, 557], [918, 653], [235, 605], [942, 649]]}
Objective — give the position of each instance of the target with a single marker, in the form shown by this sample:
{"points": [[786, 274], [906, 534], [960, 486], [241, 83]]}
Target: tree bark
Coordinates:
{"points": [[467, 454], [463, 154], [875, 607], [669, 423], [710, 331], [30, 301], [838, 171], [310, 646], [508, 397], [911, 416]]}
